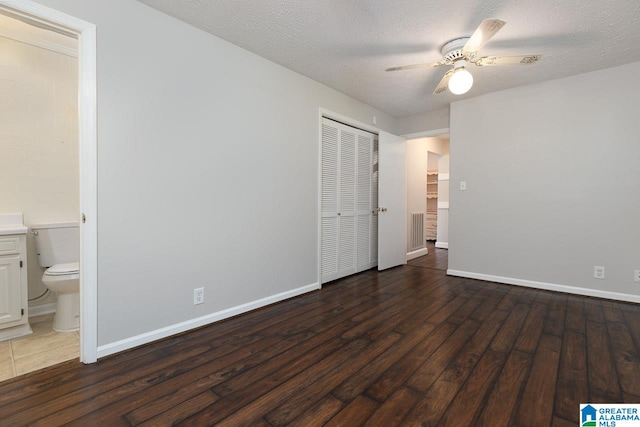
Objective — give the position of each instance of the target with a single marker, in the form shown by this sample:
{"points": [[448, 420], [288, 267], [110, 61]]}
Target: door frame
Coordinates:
{"points": [[347, 121], [29, 11]]}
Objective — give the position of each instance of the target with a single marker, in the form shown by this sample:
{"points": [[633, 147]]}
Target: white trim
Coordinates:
{"points": [[30, 11], [442, 245], [426, 133], [42, 309], [147, 337], [443, 205], [40, 43], [443, 176], [346, 120], [548, 286], [319, 205], [417, 253]]}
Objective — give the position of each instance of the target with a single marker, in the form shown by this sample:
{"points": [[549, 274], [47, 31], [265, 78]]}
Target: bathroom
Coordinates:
{"points": [[39, 174]]}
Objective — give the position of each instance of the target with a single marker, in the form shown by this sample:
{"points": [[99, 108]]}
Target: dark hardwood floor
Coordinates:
{"points": [[407, 346]]}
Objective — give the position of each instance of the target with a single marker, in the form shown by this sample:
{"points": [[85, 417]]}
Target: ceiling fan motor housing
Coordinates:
{"points": [[452, 51]]}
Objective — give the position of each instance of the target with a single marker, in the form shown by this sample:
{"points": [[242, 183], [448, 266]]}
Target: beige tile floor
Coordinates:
{"points": [[44, 347]]}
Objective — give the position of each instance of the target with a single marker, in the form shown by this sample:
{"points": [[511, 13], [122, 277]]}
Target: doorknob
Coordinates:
{"points": [[382, 209]]}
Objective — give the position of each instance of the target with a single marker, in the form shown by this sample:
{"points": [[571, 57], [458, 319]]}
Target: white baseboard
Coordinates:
{"points": [[39, 310], [548, 286], [147, 337], [442, 245], [417, 253]]}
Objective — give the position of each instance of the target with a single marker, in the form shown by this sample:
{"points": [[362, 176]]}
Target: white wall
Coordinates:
{"points": [[442, 237], [207, 170], [553, 183], [38, 142], [417, 155], [432, 120]]}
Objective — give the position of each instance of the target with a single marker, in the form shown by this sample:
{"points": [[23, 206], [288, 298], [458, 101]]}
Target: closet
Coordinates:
{"points": [[349, 200]]}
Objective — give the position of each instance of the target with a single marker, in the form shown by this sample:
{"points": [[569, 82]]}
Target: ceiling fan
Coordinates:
{"points": [[463, 51]]}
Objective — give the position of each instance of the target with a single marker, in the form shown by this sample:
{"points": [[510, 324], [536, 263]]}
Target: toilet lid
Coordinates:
{"points": [[59, 269]]}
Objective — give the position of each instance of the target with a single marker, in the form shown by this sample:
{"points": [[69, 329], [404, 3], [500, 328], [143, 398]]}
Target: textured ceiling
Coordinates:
{"points": [[347, 44]]}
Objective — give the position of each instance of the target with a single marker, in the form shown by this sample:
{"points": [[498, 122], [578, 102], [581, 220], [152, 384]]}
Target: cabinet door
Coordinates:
{"points": [[10, 306]]}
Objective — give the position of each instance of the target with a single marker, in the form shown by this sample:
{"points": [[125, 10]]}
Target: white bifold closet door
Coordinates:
{"points": [[349, 201]]}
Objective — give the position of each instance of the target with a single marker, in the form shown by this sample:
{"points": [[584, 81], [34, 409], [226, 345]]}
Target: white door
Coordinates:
{"points": [[392, 201]]}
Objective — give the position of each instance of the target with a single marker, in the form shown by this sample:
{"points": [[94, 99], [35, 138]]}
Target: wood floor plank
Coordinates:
{"points": [[593, 310], [465, 360], [397, 374], [531, 331], [324, 341], [560, 422], [507, 335], [355, 413], [461, 314], [572, 388], [271, 399], [539, 391], [625, 357], [193, 382], [556, 314], [52, 407], [576, 317], [510, 299], [325, 380], [464, 410], [318, 414], [503, 400], [405, 346], [433, 405], [252, 387], [603, 382], [357, 383], [612, 312], [633, 323], [174, 414], [394, 409], [447, 310], [427, 373]]}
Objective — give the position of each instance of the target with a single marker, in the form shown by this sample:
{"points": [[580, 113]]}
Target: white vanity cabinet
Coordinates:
{"points": [[14, 316], [12, 250]]}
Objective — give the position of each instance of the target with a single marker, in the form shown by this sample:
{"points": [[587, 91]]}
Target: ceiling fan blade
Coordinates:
{"points": [[487, 29], [444, 83], [508, 60], [411, 67]]}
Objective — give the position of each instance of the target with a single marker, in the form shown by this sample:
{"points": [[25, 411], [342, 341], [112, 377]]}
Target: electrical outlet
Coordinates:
{"points": [[463, 185], [598, 272], [636, 276], [198, 296]]}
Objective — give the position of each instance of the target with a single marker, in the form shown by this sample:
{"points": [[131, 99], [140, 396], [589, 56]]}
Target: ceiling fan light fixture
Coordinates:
{"points": [[461, 80]]}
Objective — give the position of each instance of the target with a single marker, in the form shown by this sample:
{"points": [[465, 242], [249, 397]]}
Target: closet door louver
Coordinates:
{"points": [[329, 199], [347, 201]]}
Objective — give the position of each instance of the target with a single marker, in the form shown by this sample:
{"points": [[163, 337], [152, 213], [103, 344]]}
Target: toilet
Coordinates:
{"points": [[58, 249]]}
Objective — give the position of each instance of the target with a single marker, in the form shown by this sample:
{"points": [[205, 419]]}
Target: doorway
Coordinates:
{"points": [[428, 193], [49, 19]]}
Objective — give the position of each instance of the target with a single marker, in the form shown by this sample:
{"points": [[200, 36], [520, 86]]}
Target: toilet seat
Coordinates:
{"points": [[63, 269]]}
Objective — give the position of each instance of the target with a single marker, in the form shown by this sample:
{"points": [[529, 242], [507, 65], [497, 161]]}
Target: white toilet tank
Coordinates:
{"points": [[57, 243]]}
